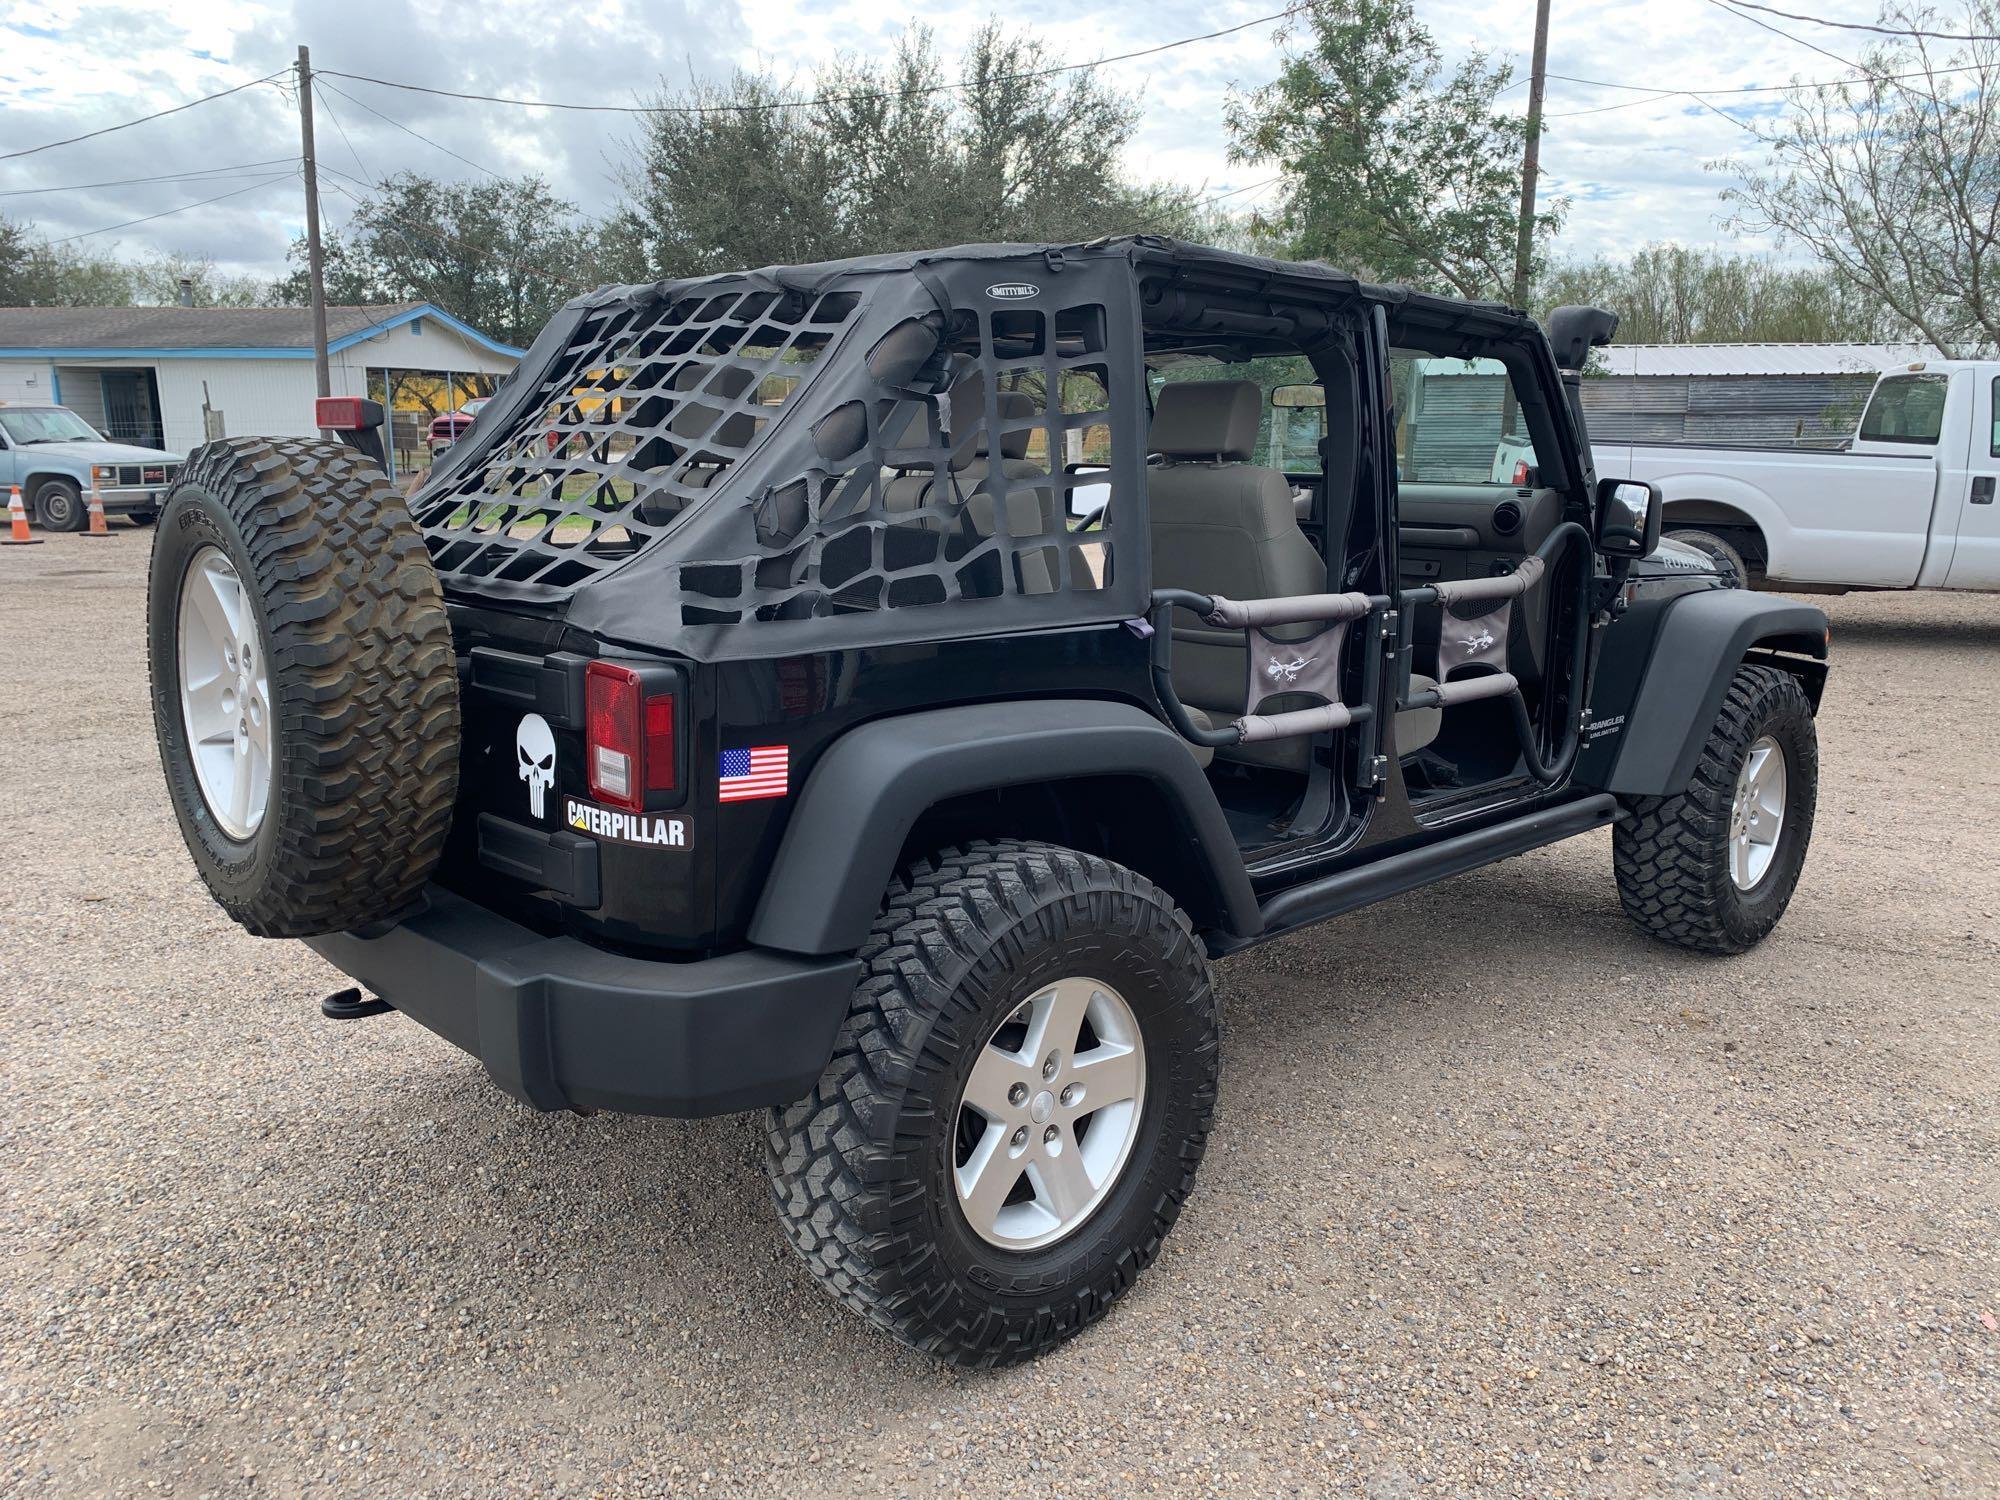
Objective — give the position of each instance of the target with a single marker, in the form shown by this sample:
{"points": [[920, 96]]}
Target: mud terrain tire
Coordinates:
{"points": [[862, 1167], [362, 684], [1672, 854]]}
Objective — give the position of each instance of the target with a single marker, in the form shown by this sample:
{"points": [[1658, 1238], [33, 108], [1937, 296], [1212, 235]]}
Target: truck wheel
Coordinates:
{"points": [[1720, 551], [1714, 868], [1015, 1107], [305, 693], [59, 505]]}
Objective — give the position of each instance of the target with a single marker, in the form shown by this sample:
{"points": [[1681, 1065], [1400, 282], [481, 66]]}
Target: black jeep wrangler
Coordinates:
{"points": [[874, 692]]}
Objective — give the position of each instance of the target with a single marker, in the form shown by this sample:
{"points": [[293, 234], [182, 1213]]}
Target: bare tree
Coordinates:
{"points": [[1893, 180]]}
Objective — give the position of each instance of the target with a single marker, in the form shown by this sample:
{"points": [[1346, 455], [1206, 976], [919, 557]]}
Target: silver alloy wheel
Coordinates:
{"points": [[1757, 816], [225, 693], [1046, 1129]]}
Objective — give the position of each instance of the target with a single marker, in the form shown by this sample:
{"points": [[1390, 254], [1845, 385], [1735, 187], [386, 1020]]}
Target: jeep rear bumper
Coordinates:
{"points": [[560, 1024]]}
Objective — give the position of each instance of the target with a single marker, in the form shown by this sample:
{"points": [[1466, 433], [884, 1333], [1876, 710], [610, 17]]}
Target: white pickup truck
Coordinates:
{"points": [[1907, 503]]}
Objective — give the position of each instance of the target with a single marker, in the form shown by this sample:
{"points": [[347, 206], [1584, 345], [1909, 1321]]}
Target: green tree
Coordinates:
{"points": [[502, 255], [351, 276], [37, 273], [1671, 294], [1394, 166], [886, 155], [156, 280], [1892, 181]]}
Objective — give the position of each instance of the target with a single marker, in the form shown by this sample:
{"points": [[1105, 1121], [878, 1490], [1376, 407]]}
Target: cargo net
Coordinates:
{"points": [[638, 416], [980, 466]]}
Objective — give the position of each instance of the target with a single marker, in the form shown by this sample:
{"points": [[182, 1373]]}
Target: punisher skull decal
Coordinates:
{"points": [[535, 748]]}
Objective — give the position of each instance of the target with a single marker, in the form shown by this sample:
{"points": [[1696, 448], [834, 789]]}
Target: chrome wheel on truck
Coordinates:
{"points": [[1757, 814], [1049, 1114], [1015, 1106], [225, 693]]}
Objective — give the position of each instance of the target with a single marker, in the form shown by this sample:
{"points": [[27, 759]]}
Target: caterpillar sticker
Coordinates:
{"points": [[625, 828]]}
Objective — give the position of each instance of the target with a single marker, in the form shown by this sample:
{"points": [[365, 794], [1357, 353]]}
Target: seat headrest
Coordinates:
{"points": [[1207, 419], [968, 411]]}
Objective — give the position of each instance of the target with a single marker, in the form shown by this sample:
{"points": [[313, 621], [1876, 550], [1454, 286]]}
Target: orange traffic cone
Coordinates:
{"points": [[97, 522], [17, 515]]}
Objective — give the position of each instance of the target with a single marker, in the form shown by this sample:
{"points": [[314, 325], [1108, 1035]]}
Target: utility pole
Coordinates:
{"points": [[1531, 158], [315, 263]]}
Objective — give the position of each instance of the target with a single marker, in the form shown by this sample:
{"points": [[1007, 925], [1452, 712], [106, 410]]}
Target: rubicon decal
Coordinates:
{"points": [[759, 771], [625, 828]]}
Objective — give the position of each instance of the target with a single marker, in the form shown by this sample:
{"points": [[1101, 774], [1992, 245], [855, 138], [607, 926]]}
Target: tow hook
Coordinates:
{"points": [[347, 1005]]}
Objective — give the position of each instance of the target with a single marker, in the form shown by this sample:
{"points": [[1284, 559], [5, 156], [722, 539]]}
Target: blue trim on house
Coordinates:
{"points": [[426, 310], [55, 383], [58, 353], [334, 346]]}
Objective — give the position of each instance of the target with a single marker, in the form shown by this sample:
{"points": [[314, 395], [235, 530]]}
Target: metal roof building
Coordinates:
{"points": [[1757, 395]]}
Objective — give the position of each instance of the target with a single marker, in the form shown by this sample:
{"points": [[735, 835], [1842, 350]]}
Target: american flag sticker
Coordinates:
{"points": [[760, 771]]}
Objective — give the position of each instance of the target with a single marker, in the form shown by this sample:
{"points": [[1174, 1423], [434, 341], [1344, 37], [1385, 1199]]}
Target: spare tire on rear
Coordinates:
{"points": [[305, 693]]}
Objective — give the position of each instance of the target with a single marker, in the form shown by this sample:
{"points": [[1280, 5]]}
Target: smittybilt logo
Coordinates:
{"points": [[625, 828], [1012, 291]]}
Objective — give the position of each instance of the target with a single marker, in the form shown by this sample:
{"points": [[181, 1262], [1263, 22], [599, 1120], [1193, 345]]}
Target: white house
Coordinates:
{"points": [[145, 374]]}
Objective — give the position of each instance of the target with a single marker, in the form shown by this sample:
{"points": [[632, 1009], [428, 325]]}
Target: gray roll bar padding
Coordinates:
{"points": [[1296, 609], [1258, 727], [1502, 586], [1472, 689]]}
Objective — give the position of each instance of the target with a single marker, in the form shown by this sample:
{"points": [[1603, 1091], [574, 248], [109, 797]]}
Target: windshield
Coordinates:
{"points": [[48, 424]]}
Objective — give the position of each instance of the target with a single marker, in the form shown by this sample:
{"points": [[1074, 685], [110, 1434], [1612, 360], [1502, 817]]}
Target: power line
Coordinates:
{"points": [[407, 130], [183, 208], [128, 124], [1730, 10], [216, 173], [343, 134], [777, 104], [1940, 36], [1654, 96], [1236, 192]]}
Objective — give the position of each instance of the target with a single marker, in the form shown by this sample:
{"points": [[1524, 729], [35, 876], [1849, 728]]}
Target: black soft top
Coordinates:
{"points": [[888, 447]]}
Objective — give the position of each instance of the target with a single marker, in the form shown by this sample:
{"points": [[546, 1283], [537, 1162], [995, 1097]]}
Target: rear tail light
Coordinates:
{"points": [[629, 745], [1521, 473], [660, 743]]}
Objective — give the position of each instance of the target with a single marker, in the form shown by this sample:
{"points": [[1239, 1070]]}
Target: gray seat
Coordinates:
{"points": [[1221, 525], [970, 484]]}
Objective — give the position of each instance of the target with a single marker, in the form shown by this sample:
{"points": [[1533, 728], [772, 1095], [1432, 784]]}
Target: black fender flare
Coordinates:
{"points": [[841, 844], [1700, 640]]}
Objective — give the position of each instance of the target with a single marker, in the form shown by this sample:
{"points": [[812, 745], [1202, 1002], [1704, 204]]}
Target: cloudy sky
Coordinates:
{"points": [[1635, 165]]}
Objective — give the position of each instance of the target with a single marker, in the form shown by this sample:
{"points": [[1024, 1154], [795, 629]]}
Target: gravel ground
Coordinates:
{"points": [[1598, 1218]]}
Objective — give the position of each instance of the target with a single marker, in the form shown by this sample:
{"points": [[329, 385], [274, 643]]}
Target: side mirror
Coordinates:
{"points": [[1299, 396], [1628, 518]]}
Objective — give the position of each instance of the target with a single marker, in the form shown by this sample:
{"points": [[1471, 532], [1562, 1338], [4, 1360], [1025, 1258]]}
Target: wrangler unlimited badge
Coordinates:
{"points": [[625, 828]]}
